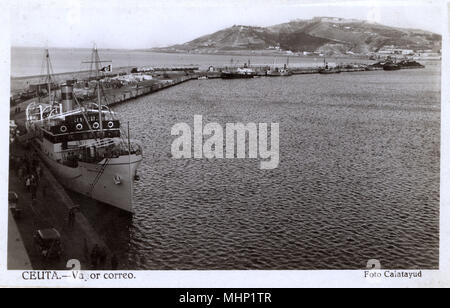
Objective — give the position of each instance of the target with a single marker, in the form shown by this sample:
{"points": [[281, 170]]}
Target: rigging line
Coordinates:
{"points": [[42, 70], [84, 115], [112, 114], [98, 176], [96, 60], [91, 69], [107, 103], [84, 69], [77, 74], [41, 77], [51, 72]]}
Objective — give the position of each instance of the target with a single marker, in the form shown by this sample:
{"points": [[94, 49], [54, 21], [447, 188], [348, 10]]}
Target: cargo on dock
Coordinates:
{"points": [[131, 82], [123, 95]]}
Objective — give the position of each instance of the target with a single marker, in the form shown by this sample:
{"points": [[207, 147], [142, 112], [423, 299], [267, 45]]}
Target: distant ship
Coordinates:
{"points": [[326, 69], [238, 74], [403, 64], [83, 144], [277, 72], [410, 64], [390, 66]]}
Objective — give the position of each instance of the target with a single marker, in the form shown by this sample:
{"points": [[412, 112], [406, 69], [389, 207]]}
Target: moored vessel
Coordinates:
{"points": [[390, 66], [84, 144], [277, 72], [240, 73], [410, 64], [327, 71]]}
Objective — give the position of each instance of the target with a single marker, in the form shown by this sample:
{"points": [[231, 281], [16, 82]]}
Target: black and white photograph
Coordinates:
{"points": [[245, 136]]}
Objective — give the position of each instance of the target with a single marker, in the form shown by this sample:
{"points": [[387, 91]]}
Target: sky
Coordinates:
{"points": [[134, 24]]}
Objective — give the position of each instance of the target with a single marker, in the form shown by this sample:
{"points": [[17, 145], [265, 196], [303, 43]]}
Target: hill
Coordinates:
{"points": [[321, 34]]}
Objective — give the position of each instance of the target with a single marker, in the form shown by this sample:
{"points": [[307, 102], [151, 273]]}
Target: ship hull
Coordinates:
{"points": [[392, 67], [113, 185], [329, 71], [278, 74], [236, 76]]}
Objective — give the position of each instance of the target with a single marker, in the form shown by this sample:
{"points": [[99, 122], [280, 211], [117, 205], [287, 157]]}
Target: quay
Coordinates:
{"points": [[117, 96], [129, 93], [160, 78], [50, 210], [17, 254]]}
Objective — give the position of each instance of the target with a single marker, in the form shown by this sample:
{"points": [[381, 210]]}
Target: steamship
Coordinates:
{"points": [[84, 144]]}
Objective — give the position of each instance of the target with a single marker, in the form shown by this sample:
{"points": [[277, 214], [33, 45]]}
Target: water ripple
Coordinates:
{"points": [[358, 177]]}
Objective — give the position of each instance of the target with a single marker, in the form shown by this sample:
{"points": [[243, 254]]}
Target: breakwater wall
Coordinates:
{"points": [[262, 70], [141, 91]]}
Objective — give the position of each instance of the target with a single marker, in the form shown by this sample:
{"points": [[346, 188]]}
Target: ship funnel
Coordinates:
{"points": [[67, 97]]}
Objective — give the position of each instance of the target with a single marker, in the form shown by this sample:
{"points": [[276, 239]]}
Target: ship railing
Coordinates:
{"points": [[72, 156], [102, 143]]}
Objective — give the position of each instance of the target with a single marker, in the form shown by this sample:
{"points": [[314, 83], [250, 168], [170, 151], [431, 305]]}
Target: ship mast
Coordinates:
{"points": [[99, 99], [96, 62], [48, 77]]}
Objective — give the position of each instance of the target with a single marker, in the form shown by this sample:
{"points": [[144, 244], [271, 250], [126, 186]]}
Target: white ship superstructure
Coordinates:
{"points": [[85, 147]]}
